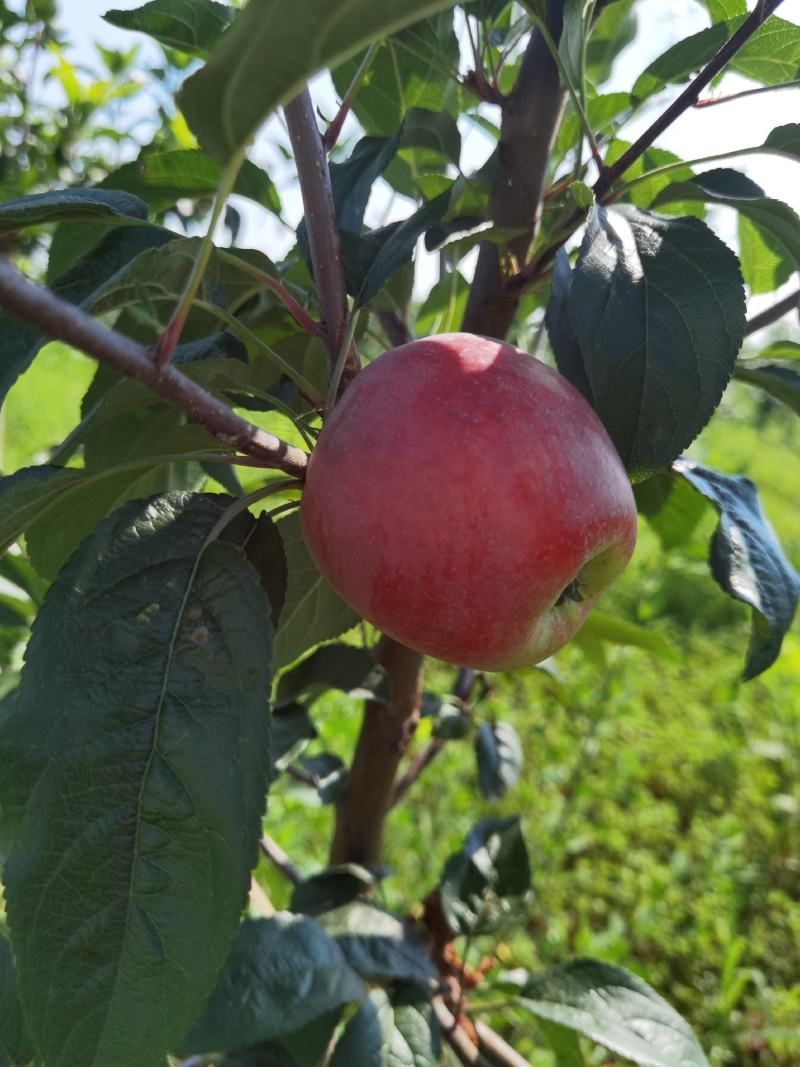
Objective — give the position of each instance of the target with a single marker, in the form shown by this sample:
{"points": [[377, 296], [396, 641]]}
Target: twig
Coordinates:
{"points": [[298, 313], [320, 219], [772, 314], [331, 135], [463, 687], [165, 345], [278, 858], [467, 1054], [759, 15], [64, 322], [712, 101], [498, 1051]]}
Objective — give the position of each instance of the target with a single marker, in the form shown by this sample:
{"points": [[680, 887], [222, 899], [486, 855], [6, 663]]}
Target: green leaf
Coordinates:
{"points": [[564, 1043], [682, 60], [772, 55], [614, 1008], [371, 260], [352, 180], [191, 26], [572, 42], [648, 329], [396, 1029], [85, 205], [163, 178], [613, 29], [343, 667], [672, 508], [292, 729], [784, 141], [730, 188], [477, 882], [367, 1035], [15, 1047], [601, 627], [782, 383], [270, 52], [143, 783], [312, 612], [332, 888], [765, 263], [444, 306], [781, 350], [20, 343], [499, 756], [601, 110], [725, 9], [425, 57], [58, 506], [282, 974], [377, 945], [747, 561]]}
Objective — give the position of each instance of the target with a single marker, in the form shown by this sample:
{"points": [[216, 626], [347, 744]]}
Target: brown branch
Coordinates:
{"points": [[279, 860], [395, 328], [320, 219], [772, 314], [385, 735], [759, 15], [498, 1052], [64, 322], [531, 114], [466, 1052]]}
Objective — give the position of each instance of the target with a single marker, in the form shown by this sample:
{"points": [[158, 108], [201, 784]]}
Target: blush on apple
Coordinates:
{"points": [[466, 500]]}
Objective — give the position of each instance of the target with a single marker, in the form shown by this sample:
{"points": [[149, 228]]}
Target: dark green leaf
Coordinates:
{"points": [[499, 756], [377, 945], [730, 188], [163, 178], [21, 343], [331, 888], [292, 729], [312, 612], [784, 140], [782, 383], [396, 1029], [343, 667], [371, 260], [192, 26], [267, 57], [478, 882], [436, 131], [143, 785], [656, 312], [327, 774], [15, 1047], [450, 722], [282, 974], [353, 179], [616, 1009], [86, 205], [747, 561]]}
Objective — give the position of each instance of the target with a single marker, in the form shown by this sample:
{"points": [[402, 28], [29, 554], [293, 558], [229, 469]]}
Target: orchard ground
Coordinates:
{"points": [[660, 797]]}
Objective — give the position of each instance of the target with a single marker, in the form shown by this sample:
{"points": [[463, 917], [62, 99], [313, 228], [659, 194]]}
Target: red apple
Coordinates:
{"points": [[466, 500]]}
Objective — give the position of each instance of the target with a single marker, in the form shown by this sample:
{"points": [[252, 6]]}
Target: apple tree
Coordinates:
{"points": [[181, 628]]}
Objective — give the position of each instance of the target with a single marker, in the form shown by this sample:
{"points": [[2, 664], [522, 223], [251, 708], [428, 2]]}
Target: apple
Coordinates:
{"points": [[465, 499]]}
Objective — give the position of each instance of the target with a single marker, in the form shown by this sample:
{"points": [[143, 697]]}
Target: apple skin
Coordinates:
{"points": [[465, 499]]}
